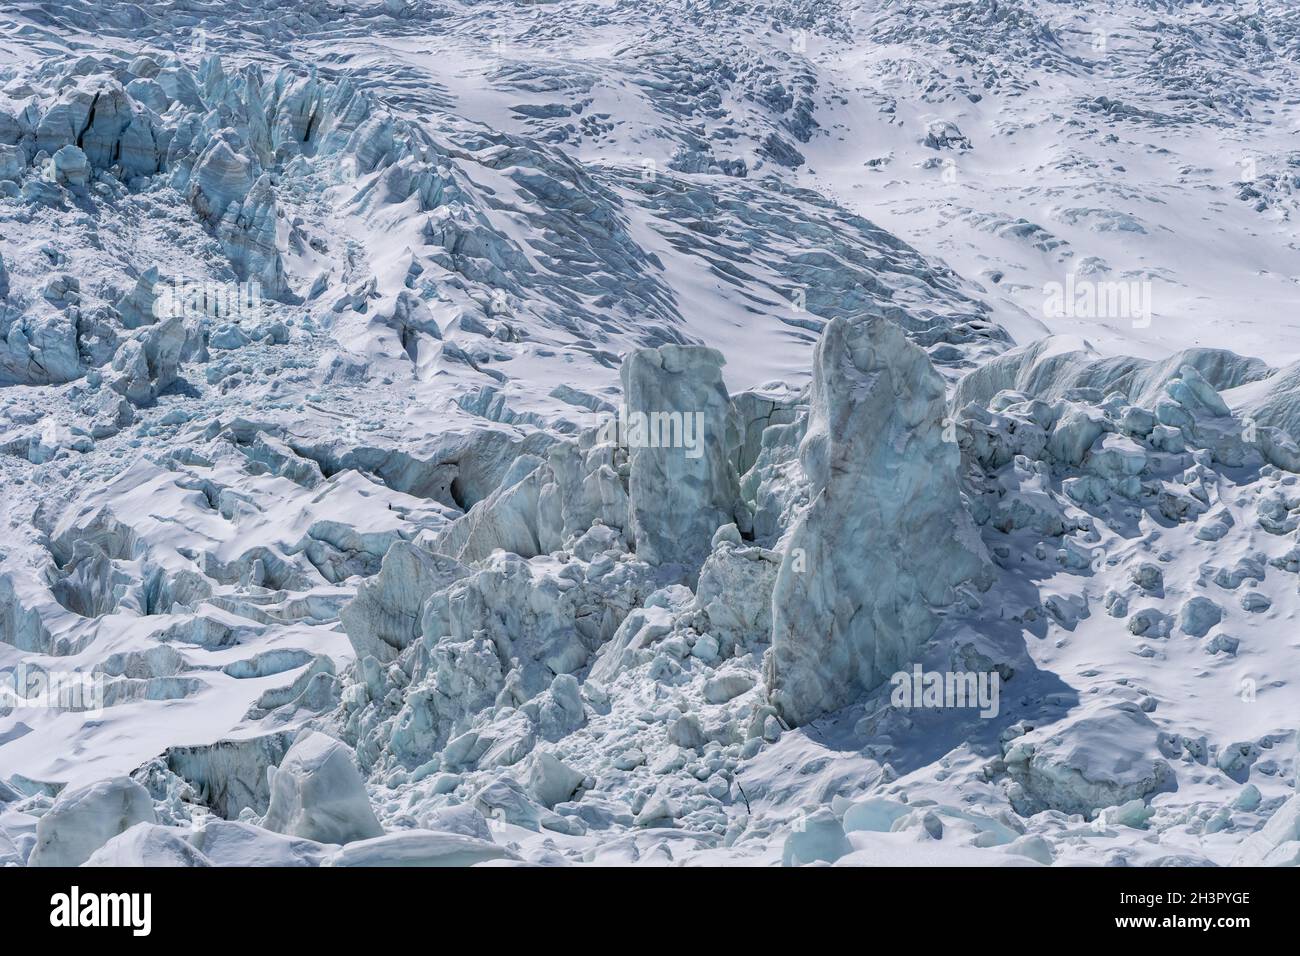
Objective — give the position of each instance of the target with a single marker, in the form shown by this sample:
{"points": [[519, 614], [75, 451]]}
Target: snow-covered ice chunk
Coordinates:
{"points": [[816, 837], [875, 814], [85, 818], [550, 780], [318, 794], [384, 617], [1198, 615], [419, 848], [1283, 827], [235, 843], [149, 844], [1105, 757]]}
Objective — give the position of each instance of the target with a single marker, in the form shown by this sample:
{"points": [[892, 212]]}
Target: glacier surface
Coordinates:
{"points": [[469, 433]]}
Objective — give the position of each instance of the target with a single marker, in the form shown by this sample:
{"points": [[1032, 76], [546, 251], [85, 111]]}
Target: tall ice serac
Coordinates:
{"points": [[682, 483], [885, 538]]}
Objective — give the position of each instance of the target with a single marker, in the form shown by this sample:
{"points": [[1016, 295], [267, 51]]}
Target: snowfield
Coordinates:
{"points": [[703, 432]]}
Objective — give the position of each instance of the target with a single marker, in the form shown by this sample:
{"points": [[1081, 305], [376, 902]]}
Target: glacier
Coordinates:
{"points": [[468, 433]]}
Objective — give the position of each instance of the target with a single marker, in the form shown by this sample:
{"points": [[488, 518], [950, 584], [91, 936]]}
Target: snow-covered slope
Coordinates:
{"points": [[330, 335]]}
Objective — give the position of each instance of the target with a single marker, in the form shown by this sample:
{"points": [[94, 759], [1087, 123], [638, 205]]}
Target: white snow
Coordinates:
{"points": [[318, 547]]}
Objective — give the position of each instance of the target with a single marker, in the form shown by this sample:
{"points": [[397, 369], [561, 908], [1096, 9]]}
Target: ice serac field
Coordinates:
{"points": [[702, 433]]}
